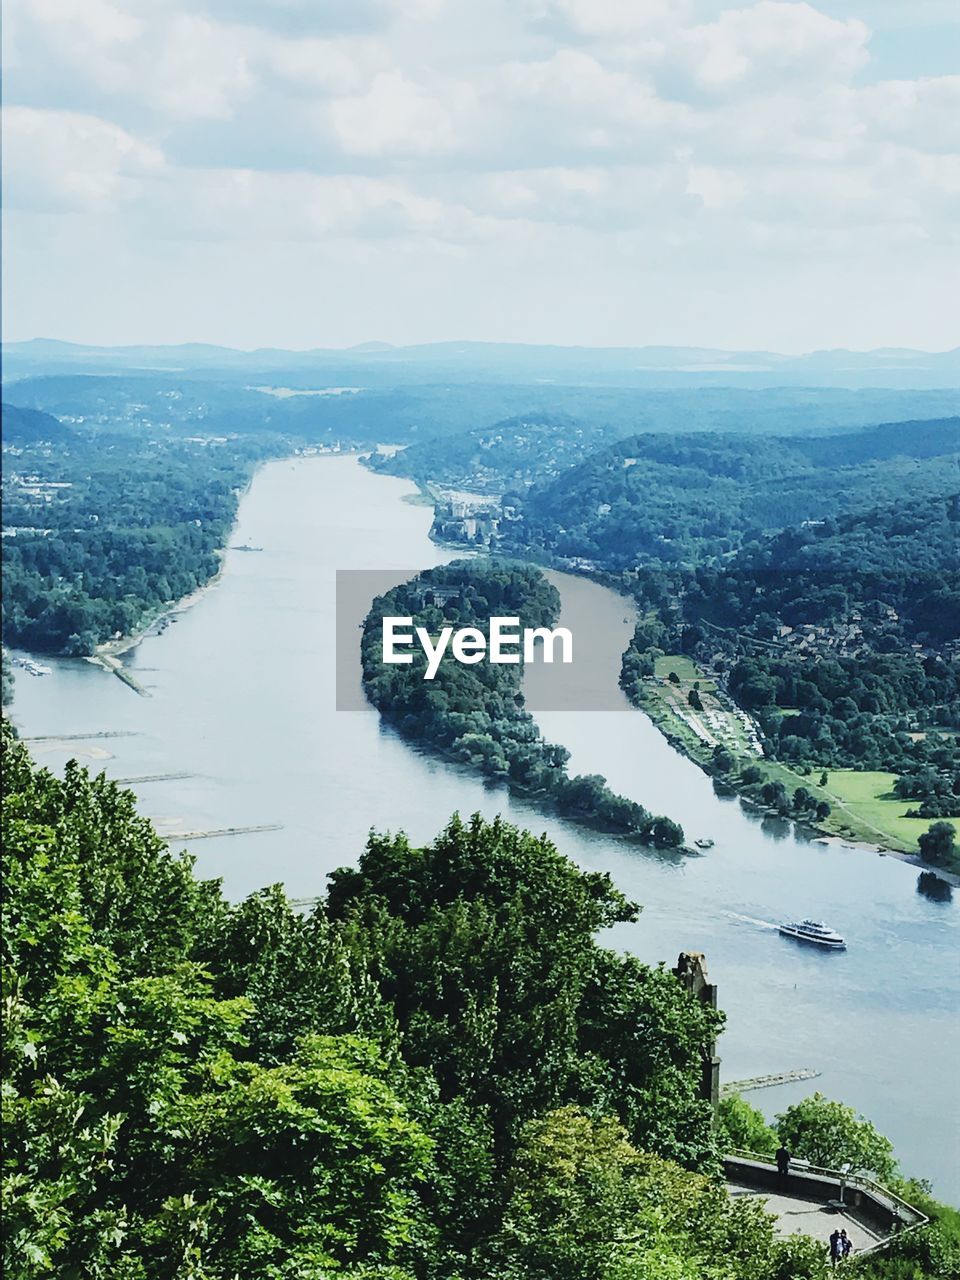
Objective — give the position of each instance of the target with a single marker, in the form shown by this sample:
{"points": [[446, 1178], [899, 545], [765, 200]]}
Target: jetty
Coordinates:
{"points": [[152, 777], [83, 737], [172, 837], [766, 1082]]}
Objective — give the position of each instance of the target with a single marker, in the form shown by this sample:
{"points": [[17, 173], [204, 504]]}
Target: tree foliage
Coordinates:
{"points": [[475, 713], [832, 1135]]}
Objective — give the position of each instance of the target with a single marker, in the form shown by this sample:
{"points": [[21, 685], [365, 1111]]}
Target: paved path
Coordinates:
{"points": [[811, 1217]]}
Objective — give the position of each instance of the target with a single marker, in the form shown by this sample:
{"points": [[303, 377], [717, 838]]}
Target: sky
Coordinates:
{"points": [[304, 173]]}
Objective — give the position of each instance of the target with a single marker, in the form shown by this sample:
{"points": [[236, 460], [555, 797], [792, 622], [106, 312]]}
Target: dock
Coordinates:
{"points": [[767, 1082], [173, 837], [83, 737], [151, 777]]}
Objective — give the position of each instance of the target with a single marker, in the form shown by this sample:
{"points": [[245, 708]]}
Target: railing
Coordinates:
{"points": [[902, 1211]]}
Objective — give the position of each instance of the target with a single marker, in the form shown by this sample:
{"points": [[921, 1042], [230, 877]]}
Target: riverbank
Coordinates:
{"points": [[113, 649], [696, 735], [107, 655]]}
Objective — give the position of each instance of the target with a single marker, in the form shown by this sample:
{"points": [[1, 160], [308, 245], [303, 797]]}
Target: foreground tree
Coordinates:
{"points": [[832, 1135], [586, 1205]]}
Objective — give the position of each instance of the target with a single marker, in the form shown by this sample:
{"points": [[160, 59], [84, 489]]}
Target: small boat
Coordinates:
{"points": [[703, 844], [815, 932], [33, 668]]}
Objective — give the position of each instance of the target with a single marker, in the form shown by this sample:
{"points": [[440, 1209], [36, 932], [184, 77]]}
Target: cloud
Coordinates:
{"points": [[62, 161], [769, 45], [665, 133], [394, 116]]}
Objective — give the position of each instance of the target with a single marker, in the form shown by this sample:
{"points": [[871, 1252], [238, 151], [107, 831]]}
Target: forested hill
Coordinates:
{"points": [[841, 638], [22, 426], [684, 498], [905, 556], [102, 531], [508, 456], [920, 438]]}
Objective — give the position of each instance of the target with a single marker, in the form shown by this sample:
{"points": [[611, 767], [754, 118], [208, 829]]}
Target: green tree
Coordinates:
{"points": [[741, 1127], [584, 1204], [832, 1135], [938, 844]]}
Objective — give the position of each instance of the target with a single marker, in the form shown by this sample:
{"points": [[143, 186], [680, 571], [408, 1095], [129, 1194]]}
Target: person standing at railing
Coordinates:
{"points": [[783, 1161]]}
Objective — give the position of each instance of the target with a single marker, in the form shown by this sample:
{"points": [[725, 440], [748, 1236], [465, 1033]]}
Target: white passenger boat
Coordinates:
{"points": [[815, 932]]}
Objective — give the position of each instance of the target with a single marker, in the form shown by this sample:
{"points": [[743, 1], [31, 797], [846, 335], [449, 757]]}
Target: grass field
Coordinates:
{"points": [[682, 666], [869, 798], [862, 805]]}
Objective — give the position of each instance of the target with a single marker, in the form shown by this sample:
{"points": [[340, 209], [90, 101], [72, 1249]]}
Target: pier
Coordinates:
{"points": [[767, 1082], [83, 737], [152, 777], [172, 837]]}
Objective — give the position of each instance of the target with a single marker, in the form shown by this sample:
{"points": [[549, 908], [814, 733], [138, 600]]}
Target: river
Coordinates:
{"points": [[242, 700]]}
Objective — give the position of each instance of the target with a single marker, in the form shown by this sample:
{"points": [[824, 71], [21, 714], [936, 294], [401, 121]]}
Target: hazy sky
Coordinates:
{"points": [[323, 172]]}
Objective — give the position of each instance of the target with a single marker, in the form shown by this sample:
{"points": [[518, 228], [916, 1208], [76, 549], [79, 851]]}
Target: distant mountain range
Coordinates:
{"points": [[379, 363]]}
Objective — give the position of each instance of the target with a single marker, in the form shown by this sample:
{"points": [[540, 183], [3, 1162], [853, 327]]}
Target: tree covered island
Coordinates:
{"points": [[475, 714]]}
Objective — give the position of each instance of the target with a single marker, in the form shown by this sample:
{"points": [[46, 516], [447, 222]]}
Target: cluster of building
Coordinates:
{"points": [[35, 489], [471, 519]]}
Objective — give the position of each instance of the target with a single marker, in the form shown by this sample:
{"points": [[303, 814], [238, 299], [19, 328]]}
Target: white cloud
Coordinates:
{"points": [[59, 160], [925, 113], [394, 116], [603, 19], [659, 132], [321, 66], [770, 43]]}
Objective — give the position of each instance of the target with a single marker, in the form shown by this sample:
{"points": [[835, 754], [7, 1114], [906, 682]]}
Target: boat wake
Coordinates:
{"points": [[762, 924]]}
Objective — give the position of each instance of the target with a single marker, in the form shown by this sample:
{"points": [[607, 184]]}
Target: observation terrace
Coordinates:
{"points": [[817, 1201]]}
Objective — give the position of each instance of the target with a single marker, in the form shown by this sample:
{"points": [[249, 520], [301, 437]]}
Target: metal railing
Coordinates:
{"points": [[862, 1181]]}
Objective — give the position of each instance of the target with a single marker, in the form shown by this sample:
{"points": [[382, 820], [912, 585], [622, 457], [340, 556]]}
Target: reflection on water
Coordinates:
{"points": [[933, 887], [243, 703]]}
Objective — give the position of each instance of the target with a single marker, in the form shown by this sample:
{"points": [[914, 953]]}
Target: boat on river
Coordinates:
{"points": [[813, 931], [33, 668], [704, 843]]}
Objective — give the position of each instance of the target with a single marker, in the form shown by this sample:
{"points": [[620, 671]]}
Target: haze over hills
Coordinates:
{"points": [[378, 362]]}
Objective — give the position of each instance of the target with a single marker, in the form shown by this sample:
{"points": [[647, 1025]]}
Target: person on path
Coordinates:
{"points": [[836, 1247], [846, 1245]]}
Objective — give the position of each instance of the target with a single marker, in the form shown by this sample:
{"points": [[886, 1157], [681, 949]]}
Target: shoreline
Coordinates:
{"points": [[912, 859], [823, 835], [107, 654]]}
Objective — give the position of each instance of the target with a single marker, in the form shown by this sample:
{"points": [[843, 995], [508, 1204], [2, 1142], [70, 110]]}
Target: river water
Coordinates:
{"points": [[242, 700]]}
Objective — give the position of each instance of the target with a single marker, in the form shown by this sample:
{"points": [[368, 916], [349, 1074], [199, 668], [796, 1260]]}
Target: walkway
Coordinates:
{"points": [[816, 1202], [809, 1217]]}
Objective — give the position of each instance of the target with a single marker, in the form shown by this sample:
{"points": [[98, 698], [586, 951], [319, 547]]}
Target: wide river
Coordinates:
{"points": [[243, 701]]}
